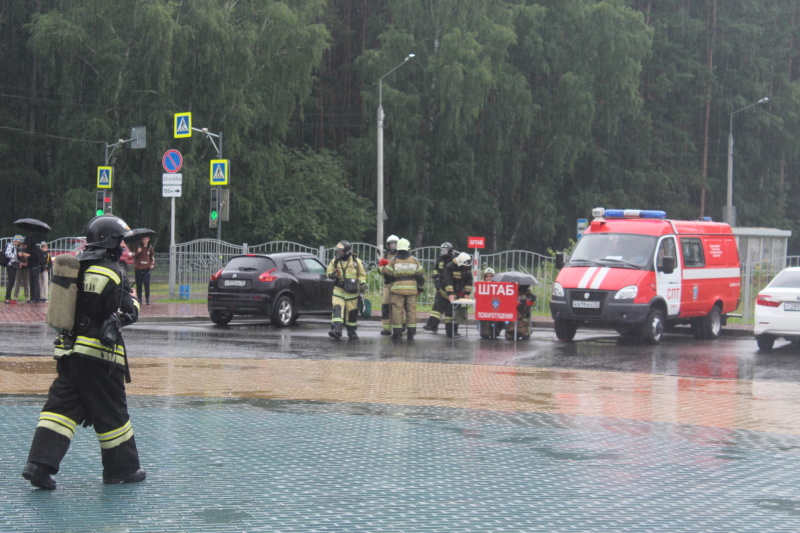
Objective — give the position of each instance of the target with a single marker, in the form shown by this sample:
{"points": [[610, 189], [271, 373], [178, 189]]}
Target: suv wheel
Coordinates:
{"points": [[284, 313], [221, 318]]}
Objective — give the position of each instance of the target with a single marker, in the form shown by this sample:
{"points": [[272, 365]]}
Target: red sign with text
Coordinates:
{"points": [[476, 242], [495, 300]]}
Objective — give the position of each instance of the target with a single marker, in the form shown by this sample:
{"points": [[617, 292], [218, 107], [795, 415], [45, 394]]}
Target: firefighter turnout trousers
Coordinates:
{"points": [[386, 307], [88, 391], [404, 311], [345, 309]]}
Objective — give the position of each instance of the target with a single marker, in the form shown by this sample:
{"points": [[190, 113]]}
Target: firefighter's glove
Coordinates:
{"points": [[336, 274], [363, 287], [126, 319]]}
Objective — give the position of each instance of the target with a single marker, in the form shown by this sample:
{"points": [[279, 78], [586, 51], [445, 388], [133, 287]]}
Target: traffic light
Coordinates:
{"points": [[101, 196], [102, 203], [213, 214]]}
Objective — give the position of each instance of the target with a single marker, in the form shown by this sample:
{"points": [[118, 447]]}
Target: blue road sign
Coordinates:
{"points": [[172, 161], [182, 125], [219, 172], [105, 176]]}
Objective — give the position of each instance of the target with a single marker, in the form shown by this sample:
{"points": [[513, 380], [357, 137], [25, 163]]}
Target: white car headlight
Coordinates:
{"points": [[558, 290], [627, 293]]}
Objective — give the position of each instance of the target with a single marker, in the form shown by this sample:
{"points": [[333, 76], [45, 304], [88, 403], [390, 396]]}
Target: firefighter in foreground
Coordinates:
{"points": [[350, 280], [440, 301], [457, 285], [91, 363], [407, 278], [522, 327], [386, 302]]}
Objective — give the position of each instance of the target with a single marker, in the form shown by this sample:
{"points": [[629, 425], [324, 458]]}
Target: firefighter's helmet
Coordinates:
{"points": [[463, 260], [403, 245], [391, 243], [446, 248], [343, 250], [105, 231]]}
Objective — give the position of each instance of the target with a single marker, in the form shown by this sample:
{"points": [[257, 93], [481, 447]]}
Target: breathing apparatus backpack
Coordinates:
{"points": [[63, 293]]}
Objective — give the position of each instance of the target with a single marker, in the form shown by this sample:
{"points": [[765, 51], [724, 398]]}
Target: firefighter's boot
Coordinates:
{"points": [[456, 334], [351, 333], [336, 331], [448, 329], [39, 476], [410, 333], [397, 334], [432, 325]]}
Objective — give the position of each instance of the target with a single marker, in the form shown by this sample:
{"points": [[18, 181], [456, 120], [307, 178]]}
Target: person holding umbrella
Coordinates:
{"points": [[34, 259], [144, 259], [31, 256], [13, 265]]}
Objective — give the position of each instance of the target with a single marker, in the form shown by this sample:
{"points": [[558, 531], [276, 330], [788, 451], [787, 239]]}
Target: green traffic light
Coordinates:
{"points": [[100, 212], [214, 214]]}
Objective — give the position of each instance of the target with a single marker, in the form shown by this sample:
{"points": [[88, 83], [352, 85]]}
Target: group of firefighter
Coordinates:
{"points": [[404, 281]]}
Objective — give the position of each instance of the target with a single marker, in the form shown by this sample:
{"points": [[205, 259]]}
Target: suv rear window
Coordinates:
{"points": [[250, 264]]}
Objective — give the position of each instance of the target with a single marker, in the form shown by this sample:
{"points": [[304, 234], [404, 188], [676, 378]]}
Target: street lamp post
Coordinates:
{"points": [[730, 211], [381, 116]]}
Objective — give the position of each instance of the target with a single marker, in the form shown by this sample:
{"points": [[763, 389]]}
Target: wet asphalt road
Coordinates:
{"points": [[730, 357]]}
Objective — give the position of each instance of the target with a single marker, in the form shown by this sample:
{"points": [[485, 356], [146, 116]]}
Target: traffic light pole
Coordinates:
{"points": [[138, 140], [210, 136]]}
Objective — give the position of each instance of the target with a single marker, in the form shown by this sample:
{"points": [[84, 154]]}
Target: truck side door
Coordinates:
{"points": [[668, 285]]}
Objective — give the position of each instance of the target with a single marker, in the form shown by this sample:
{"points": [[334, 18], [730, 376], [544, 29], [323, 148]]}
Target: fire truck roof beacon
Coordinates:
{"points": [[599, 212]]}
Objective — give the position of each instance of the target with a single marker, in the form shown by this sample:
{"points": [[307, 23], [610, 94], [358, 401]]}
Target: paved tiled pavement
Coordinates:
{"points": [[341, 446]]}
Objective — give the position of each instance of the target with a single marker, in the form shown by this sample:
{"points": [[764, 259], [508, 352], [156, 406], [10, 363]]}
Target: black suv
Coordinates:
{"points": [[279, 286]]}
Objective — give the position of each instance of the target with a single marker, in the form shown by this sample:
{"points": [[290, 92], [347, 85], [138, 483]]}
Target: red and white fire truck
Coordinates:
{"points": [[636, 272]]}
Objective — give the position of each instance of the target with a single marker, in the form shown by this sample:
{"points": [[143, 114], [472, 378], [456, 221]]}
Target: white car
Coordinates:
{"points": [[778, 309]]}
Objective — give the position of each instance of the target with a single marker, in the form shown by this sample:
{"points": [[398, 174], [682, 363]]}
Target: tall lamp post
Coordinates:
{"points": [[380, 151], [730, 211]]}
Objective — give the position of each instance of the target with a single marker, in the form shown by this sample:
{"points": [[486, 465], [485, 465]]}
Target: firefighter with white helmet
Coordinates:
{"points": [[386, 303], [457, 284], [92, 367], [407, 278], [350, 280], [440, 302]]}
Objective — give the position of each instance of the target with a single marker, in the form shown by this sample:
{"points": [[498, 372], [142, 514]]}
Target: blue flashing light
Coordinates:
{"points": [[633, 213], [706, 219]]}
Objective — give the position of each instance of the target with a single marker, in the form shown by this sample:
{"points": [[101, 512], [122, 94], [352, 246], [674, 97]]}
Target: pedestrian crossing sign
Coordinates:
{"points": [[183, 125], [219, 172], [105, 177]]}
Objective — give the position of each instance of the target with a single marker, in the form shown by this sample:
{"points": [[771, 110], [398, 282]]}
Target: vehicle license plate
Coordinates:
{"points": [[791, 306], [235, 283], [586, 304]]}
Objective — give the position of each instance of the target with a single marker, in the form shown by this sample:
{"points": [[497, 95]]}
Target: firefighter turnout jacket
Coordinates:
{"points": [[405, 273]]}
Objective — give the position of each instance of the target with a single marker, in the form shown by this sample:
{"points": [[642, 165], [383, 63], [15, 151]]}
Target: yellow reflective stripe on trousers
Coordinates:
{"points": [[58, 423], [115, 437], [94, 348]]}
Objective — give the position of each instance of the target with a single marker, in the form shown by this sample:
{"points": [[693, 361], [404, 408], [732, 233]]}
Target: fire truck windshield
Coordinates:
{"points": [[623, 250]]}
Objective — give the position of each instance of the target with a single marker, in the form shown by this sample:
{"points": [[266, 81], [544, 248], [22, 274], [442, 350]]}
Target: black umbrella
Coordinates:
{"points": [[31, 224], [138, 233], [521, 278]]}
